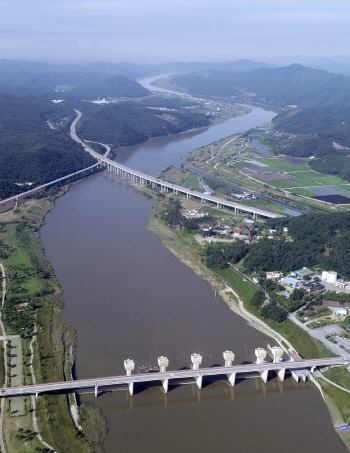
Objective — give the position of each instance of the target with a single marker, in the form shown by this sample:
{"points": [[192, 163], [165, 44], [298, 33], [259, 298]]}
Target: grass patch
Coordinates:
{"points": [[283, 166], [2, 368], [304, 192], [94, 424], [340, 376], [307, 174], [283, 184]]}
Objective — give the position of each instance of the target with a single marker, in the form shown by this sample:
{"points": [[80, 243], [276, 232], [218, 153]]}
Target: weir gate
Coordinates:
{"points": [[299, 369]]}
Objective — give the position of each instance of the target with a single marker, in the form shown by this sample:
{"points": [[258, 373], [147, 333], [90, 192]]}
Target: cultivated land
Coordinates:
{"points": [[239, 161]]}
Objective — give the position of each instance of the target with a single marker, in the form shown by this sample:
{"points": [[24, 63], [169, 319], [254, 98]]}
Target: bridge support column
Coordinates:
{"points": [[281, 373], [229, 358], [231, 378], [295, 376], [165, 384], [187, 196], [163, 362], [96, 391], [131, 388], [196, 359], [265, 375]]}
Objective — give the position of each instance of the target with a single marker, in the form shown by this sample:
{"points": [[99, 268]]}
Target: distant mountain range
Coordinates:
{"points": [[295, 84], [287, 85]]}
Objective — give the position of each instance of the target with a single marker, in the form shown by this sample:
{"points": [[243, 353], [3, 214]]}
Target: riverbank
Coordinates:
{"points": [[188, 251], [31, 285]]}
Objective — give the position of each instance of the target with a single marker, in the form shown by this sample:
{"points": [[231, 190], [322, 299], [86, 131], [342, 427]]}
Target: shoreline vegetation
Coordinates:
{"points": [[187, 250], [32, 300]]}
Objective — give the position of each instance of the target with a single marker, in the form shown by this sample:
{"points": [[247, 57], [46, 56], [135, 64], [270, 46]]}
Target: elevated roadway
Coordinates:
{"points": [[180, 376], [143, 178]]}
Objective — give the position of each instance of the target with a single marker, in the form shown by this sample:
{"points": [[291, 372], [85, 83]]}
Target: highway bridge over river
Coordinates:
{"points": [[142, 178], [299, 369]]}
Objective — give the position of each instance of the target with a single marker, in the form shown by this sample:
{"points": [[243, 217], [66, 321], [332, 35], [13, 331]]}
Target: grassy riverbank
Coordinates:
{"points": [[32, 298], [184, 246]]}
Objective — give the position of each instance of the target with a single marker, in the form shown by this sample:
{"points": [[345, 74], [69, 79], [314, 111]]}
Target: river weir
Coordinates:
{"points": [[128, 297]]}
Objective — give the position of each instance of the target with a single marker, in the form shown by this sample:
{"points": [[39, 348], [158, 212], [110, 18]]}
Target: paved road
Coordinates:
{"points": [[258, 287], [178, 374], [162, 183], [319, 334]]}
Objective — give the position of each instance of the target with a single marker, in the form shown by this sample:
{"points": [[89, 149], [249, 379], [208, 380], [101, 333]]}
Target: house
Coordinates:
{"points": [[206, 232], [302, 273], [285, 230], [256, 279], [342, 311], [311, 287], [273, 275]]}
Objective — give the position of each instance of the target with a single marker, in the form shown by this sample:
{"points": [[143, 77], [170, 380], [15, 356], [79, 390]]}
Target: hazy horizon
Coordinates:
{"points": [[151, 31]]}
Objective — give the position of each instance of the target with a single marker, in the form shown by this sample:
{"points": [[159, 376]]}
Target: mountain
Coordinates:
{"points": [[295, 84]]}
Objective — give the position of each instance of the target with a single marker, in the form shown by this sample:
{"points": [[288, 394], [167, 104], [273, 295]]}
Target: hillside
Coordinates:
{"points": [[129, 123], [295, 84], [31, 152]]}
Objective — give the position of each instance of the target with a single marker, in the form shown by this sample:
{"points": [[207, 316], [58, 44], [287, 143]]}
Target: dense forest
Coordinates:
{"points": [[31, 152], [316, 132], [318, 240], [129, 123]]}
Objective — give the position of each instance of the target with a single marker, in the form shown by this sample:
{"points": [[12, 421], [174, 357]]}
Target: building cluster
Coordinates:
{"points": [[236, 233], [308, 280]]}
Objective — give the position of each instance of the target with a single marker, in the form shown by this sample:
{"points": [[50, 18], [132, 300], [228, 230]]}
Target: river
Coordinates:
{"points": [[128, 297]]}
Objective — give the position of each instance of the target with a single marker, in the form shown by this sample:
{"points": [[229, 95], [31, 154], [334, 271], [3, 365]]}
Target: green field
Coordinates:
{"points": [[283, 184], [326, 181], [304, 192], [307, 174], [283, 166]]}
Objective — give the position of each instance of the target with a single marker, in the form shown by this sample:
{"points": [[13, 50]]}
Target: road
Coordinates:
{"points": [[117, 381], [258, 287], [164, 184], [319, 334]]}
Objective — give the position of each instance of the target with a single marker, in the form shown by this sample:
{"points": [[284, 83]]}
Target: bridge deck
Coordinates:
{"points": [[162, 183], [240, 370]]}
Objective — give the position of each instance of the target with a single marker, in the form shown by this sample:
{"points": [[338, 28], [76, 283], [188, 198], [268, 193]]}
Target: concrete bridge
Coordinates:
{"points": [[299, 369], [142, 178]]}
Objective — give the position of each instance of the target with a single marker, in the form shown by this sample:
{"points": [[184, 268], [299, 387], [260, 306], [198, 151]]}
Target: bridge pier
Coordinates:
{"points": [[163, 362], [281, 373], [96, 391], [229, 358], [265, 375], [196, 360]]}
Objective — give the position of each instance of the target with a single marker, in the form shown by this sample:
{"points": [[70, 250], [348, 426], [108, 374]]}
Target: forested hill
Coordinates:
{"points": [[22, 78], [129, 123], [318, 240], [295, 84], [31, 152]]}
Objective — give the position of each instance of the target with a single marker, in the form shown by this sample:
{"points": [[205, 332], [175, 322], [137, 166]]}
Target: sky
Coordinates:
{"points": [[155, 31]]}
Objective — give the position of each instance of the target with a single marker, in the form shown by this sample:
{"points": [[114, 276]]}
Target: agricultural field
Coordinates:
{"points": [[298, 179]]}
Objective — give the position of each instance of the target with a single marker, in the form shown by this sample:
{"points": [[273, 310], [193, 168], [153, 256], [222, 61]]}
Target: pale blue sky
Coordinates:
{"points": [[169, 30]]}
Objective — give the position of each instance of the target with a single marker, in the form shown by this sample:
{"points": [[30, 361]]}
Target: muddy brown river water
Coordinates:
{"points": [[128, 297]]}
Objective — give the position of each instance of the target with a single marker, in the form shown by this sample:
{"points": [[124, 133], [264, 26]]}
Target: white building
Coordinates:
{"points": [[273, 275]]}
